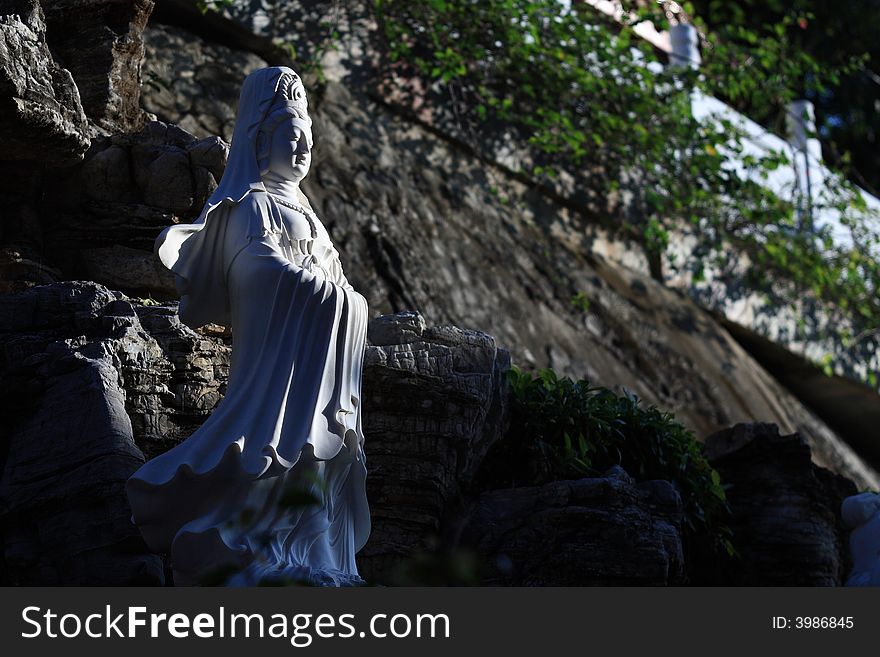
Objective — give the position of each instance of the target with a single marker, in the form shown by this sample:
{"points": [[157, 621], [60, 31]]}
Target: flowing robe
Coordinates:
{"points": [[289, 425]]}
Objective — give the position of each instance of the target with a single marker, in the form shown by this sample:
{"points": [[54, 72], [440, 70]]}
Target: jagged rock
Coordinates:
{"points": [[786, 510], [434, 402], [67, 440], [41, 118], [103, 216], [101, 43], [401, 328], [606, 531], [183, 387], [151, 167], [128, 379]]}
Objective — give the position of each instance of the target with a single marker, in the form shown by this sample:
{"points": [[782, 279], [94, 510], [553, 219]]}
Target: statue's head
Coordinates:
{"points": [[284, 137], [272, 137]]}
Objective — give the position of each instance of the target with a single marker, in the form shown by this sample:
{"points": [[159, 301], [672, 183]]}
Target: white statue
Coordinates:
{"points": [[861, 515], [259, 260]]}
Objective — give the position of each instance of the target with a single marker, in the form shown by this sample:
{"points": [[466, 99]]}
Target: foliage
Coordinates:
{"points": [[205, 6], [833, 33], [590, 97], [562, 429], [581, 302]]}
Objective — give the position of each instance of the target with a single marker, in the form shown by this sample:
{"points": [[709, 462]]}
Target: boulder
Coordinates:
{"points": [[435, 400], [786, 519], [67, 441], [95, 383], [602, 531], [103, 216]]}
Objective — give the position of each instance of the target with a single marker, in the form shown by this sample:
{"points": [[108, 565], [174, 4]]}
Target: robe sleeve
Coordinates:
{"points": [[199, 255]]}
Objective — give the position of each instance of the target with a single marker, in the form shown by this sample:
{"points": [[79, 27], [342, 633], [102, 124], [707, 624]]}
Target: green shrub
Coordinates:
{"points": [[564, 429]]}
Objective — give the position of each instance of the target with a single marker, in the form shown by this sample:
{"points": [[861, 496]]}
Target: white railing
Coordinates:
{"points": [[804, 181]]}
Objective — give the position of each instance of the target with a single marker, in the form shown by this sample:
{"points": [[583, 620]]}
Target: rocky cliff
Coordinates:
{"points": [[422, 225]]}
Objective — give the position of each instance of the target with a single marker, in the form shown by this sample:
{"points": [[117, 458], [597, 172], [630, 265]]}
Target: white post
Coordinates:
{"points": [[685, 46], [801, 127], [800, 123]]}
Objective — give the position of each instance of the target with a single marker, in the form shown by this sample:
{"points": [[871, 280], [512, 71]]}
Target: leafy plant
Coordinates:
{"points": [[205, 6], [581, 302], [846, 113], [562, 428]]}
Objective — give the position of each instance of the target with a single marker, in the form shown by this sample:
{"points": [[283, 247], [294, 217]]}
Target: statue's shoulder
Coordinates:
{"points": [[255, 202], [254, 215], [255, 208]]}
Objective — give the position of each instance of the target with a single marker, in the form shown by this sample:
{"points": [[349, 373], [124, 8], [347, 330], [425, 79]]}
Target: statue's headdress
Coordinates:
{"points": [[288, 102], [290, 93]]}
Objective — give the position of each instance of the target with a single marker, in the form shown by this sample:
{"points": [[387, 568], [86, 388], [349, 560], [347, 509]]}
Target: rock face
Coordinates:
{"points": [[103, 215], [435, 401], [100, 42], [604, 531], [130, 381], [67, 442], [786, 510], [47, 118], [41, 119], [169, 400], [194, 88]]}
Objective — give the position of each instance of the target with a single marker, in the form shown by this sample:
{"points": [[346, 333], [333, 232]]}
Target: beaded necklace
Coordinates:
{"points": [[297, 208]]}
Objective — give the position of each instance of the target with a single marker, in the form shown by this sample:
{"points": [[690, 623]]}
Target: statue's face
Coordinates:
{"points": [[290, 150]]}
